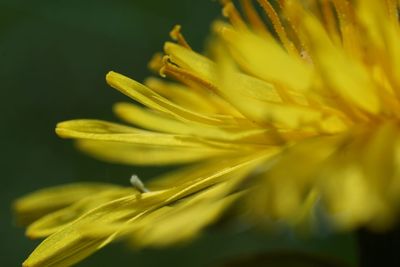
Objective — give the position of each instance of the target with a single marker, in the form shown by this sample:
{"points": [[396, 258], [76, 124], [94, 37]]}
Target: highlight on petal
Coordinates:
{"points": [[132, 154], [106, 131]]}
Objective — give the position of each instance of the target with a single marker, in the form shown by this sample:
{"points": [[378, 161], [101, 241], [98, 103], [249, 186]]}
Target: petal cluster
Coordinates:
{"points": [[285, 117]]}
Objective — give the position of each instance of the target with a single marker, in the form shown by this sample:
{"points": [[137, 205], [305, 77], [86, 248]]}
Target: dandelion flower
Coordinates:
{"points": [[277, 119]]}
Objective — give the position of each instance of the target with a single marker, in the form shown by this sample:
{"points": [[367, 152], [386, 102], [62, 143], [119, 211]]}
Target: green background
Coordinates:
{"points": [[53, 59]]}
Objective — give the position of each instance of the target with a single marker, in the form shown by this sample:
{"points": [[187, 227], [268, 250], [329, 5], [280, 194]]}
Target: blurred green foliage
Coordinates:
{"points": [[54, 55]]}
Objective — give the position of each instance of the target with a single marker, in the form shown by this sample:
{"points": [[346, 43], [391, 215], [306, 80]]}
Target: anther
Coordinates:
{"points": [[177, 36], [229, 10], [252, 16], [165, 62], [278, 26], [138, 184]]}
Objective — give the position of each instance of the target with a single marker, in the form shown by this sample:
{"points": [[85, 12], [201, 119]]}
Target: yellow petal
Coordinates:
{"points": [[194, 173], [132, 154], [87, 234], [344, 74], [381, 20], [149, 98], [37, 204], [106, 131], [169, 224], [155, 121], [280, 192], [232, 168], [149, 119], [55, 221], [363, 171], [69, 245], [185, 96], [207, 70], [265, 59], [257, 104], [166, 224]]}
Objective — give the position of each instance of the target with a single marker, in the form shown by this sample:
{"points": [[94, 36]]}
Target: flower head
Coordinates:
{"points": [[279, 117]]}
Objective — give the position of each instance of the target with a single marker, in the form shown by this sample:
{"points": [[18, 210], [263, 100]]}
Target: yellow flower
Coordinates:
{"points": [[279, 117]]}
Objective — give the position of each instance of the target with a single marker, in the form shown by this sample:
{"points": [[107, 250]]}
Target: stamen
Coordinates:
{"points": [[345, 14], [347, 26], [184, 76], [252, 16], [292, 12], [177, 36], [330, 20], [229, 10], [138, 184], [279, 29], [165, 61]]}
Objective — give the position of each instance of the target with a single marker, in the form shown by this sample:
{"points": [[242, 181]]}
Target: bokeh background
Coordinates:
{"points": [[54, 55]]}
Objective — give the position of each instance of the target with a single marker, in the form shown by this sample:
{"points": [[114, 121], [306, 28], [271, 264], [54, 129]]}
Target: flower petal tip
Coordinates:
{"points": [[109, 75]]}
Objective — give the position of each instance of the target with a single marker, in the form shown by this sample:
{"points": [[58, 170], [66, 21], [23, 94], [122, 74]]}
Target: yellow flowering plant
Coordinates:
{"points": [[277, 119]]}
